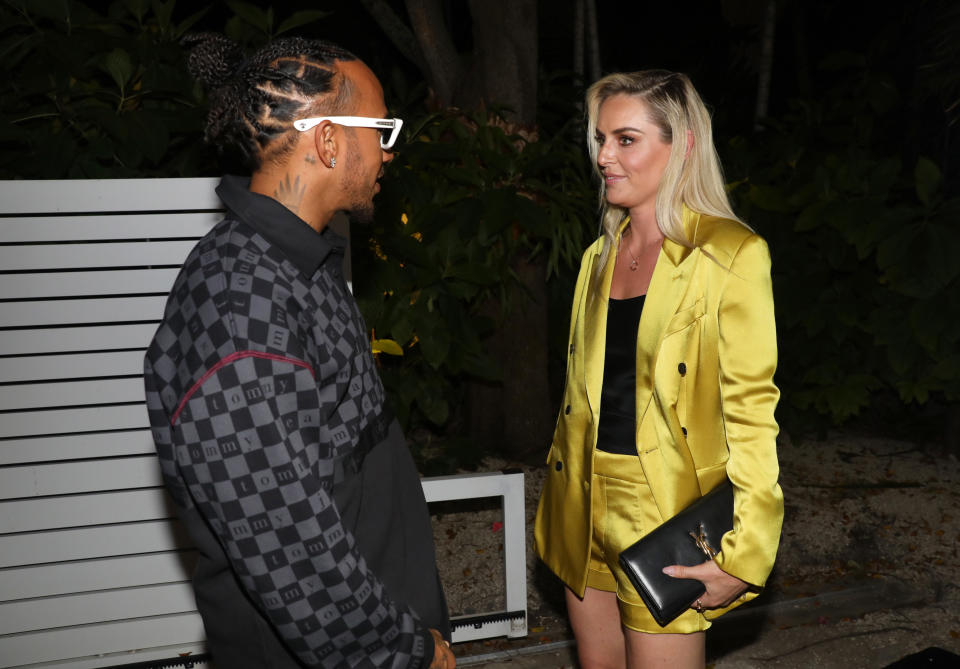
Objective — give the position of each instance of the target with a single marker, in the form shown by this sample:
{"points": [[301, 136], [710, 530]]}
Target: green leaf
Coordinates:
{"points": [[463, 291], [138, 8], [927, 321], [882, 94], [153, 136], [242, 32], [57, 10], [164, 13], [251, 14], [402, 328], [479, 274], [189, 22], [927, 179], [912, 390], [884, 175], [467, 176], [118, 65], [435, 344], [387, 346], [850, 395], [769, 198], [498, 211], [921, 259], [811, 217], [902, 358], [434, 408], [892, 250], [302, 18]]}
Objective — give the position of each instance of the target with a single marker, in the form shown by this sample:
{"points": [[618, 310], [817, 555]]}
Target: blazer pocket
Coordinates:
{"points": [[685, 317], [678, 357]]}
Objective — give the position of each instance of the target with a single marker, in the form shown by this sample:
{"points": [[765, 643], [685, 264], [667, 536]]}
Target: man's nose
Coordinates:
{"points": [[387, 155]]}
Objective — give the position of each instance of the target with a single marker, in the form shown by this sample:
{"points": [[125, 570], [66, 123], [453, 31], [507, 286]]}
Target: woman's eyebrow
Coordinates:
{"points": [[619, 131]]}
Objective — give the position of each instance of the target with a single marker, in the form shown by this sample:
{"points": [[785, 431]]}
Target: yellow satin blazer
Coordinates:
{"points": [[706, 354]]}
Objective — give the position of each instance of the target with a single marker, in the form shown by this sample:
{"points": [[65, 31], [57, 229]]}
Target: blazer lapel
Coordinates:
{"points": [[595, 332], [671, 278], [668, 286], [674, 483]]}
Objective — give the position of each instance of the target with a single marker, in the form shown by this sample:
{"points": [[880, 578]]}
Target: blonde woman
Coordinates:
{"points": [[669, 386]]}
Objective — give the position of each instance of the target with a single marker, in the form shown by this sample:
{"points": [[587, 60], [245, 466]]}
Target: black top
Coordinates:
{"points": [[618, 398]]}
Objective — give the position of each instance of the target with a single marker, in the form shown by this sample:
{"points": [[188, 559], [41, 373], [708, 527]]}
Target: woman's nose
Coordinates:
{"points": [[604, 154]]}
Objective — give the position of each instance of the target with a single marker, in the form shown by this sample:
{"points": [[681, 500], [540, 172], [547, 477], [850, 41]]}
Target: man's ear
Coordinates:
{"points": [[325, 142], [689, 144]]}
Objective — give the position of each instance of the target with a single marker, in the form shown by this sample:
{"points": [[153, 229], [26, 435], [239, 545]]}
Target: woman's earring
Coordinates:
{"points": [[333, 163]]}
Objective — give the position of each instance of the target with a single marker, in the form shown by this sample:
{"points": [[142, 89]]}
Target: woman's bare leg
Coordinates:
{"points": [[596, 625], [673, 651]]}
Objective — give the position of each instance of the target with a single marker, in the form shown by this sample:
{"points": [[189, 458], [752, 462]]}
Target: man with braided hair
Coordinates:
{"points": [[313, 538]]}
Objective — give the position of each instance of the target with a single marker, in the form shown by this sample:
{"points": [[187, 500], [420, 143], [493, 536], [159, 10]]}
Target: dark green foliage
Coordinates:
{"points": [[465, 197], [90, 95], [85, 94], [865, 242], [851, 187], [253, 24]]}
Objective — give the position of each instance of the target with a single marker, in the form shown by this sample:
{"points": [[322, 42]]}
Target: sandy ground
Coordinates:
{"points": [[867, 572]]}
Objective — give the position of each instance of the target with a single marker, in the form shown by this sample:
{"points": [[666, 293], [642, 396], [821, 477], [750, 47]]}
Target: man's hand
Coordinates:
{"points": [[442, 655], [722, 588]]}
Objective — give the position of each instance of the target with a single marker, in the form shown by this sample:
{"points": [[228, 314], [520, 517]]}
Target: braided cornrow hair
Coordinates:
{"points": [[254, 101]]}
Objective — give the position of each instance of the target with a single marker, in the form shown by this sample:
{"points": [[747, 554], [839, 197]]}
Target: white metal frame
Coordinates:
{"points": [[93, 565], [510, 488]]}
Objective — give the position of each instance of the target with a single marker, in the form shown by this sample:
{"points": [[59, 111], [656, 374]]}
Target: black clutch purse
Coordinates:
{"points": [[689, 538]]}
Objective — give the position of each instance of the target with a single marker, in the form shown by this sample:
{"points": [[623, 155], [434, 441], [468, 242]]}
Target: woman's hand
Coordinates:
{"points": [[722, 588]]}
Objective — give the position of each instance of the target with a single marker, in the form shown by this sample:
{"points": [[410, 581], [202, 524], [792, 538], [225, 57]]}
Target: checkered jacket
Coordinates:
{"points": [[263, 394]]}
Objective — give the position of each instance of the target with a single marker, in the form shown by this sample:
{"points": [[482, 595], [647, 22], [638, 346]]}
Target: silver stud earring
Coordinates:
{"points": [[333, 163]]}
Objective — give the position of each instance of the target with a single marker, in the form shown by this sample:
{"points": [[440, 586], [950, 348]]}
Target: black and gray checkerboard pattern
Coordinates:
{"points": [[262, 394]]}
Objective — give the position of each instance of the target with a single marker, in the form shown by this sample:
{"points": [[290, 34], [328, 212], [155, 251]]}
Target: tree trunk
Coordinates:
{"points": [[526, 390], [800, 49], [443, 63], [593, 41], [514, 417], [505, 55], [396, 31], [768, 30], [579, 33]]}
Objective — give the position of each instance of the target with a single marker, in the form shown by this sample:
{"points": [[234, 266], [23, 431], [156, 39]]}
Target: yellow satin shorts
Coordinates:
{"points": [[623, 510]]}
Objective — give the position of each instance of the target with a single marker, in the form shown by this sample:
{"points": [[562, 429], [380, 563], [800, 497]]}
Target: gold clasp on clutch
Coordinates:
{"points": [[701, 541]]}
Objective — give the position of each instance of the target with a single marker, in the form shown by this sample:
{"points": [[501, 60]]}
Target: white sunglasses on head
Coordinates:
{"points": [[389, 127]]}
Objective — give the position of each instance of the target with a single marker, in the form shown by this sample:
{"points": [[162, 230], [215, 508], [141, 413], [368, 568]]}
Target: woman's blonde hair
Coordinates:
{"points": [[695, 180]]}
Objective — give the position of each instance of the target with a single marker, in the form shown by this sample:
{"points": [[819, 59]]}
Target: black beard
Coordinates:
{"points": [[362, 213]]}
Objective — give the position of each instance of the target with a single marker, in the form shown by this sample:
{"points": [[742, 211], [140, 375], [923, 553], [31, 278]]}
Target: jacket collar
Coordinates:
{"points": [[677, 253], [302, 245], [668, 287]]}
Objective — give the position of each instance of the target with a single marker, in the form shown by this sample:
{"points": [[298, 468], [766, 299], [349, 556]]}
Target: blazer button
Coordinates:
{"points": [[558, 466], [684, 430], [572, 348], [567, 410], [682, 368]]}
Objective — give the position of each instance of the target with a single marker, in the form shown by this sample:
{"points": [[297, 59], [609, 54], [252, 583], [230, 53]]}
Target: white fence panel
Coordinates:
{"points": [[94, 567]]}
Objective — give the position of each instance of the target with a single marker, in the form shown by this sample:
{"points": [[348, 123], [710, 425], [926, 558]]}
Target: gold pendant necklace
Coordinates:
{"points": [[636, 261]]}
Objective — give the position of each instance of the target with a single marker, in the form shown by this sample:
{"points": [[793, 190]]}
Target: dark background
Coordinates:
{"points": [[851, 175]]}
